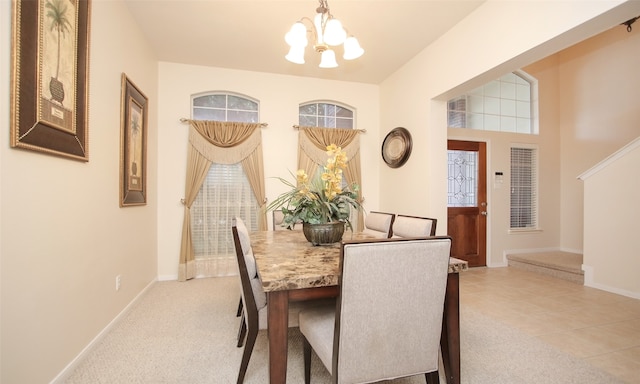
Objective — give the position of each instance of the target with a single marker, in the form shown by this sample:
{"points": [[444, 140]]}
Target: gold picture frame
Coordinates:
{"points": [[49, 77], [133, 145]]}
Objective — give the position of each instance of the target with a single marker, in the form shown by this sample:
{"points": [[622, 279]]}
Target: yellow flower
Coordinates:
{"points": [[301, 176], [332, 149]]}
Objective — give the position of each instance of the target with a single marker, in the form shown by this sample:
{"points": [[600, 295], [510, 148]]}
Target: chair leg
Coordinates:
{"points": [[239, 311], [246, 355], [242, 331], [432, 377], [306, 352]]}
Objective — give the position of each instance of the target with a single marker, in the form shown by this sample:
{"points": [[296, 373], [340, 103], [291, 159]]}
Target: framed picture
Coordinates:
{"points": [[49, 77], [133, 145]]}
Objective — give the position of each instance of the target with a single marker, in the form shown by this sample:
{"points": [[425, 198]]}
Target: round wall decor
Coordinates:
{"points": [[396, 147]]}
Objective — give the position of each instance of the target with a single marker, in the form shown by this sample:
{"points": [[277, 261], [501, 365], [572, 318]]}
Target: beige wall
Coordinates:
{"points": [[610, 224], [414, 97], [582, 89], [279, 97], [471, 54], [599, 113], [611, 214], [64, 237]]}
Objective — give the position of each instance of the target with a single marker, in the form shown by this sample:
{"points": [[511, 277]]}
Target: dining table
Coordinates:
{"points": [[292, 269]]}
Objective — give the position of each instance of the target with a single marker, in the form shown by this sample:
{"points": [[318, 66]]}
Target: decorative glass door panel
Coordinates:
{"points": [[467, 201], [463, 179]]}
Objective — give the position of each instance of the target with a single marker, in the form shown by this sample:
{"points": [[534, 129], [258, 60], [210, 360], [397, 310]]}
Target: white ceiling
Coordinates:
{"points": [[249, 34]]}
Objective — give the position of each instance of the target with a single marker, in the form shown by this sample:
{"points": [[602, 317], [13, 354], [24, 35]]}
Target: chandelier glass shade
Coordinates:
{"points": [[326, 32]]}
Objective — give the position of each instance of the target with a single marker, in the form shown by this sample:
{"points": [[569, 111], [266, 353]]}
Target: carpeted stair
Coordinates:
{"points": [[563, 265]]}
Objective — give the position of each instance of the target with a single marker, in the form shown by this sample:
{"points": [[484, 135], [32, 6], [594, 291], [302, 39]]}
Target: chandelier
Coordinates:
{"points": [[326, 32]]}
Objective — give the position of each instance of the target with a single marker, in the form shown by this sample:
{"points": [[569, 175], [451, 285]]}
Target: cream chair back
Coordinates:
{"points": [[378, 224], [413, 226], [278, 219], [393, 335]]}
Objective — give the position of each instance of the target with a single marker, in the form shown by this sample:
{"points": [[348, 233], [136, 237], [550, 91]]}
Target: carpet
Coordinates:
{"points": [[186, 333]]}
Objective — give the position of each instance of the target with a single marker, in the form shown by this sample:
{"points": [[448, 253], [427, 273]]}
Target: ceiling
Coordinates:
{"points": [[249, 34]]}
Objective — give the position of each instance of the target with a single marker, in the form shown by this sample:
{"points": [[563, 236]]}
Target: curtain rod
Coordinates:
{"points": [[183, 120], [360, 130]]}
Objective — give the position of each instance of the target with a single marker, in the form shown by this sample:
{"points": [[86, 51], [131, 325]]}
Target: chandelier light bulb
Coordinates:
{"points": [[296, 55], [328, 59], [352, 49], [297, 35], [334, 34]]}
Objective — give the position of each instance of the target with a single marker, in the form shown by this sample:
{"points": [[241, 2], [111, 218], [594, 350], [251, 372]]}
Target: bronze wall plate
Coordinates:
{"points": [[396, 147]]}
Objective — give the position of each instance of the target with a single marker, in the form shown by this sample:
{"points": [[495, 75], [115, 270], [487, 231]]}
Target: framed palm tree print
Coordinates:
{"points": [[133, 145], [49, 77]]}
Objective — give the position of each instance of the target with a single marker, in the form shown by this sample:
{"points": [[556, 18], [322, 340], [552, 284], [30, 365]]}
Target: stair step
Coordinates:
{"points": [[563, 265]]}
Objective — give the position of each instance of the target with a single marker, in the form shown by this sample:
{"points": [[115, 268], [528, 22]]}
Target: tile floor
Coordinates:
{"points": [[600, 327]]}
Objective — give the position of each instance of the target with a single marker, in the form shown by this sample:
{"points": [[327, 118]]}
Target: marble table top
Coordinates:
{"points": [[286, 260]]}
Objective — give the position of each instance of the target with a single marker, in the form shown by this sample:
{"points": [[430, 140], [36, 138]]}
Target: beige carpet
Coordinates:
{"points": [[186, 333]]}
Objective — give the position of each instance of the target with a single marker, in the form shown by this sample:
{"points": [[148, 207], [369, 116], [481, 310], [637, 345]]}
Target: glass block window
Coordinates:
{"points": [[462, 188], [524, 188], [328, 115], [507, 104], [225, 193], [225, 107]]}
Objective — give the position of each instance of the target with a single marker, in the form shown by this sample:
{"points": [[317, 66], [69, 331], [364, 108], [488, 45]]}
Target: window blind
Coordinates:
{"points": [[524, 200]]}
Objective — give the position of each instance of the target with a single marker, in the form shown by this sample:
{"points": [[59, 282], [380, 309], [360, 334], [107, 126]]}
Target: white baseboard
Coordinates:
{"points": [[589, 282], [63, 375], [497, 265]]}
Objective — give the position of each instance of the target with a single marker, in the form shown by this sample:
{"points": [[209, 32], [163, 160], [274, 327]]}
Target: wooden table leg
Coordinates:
{"points": [[450, 339], [278, 325]]}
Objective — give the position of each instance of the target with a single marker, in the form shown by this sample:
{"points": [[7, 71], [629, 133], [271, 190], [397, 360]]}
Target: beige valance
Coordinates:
{"points": [[221, 154], [313, 142]]}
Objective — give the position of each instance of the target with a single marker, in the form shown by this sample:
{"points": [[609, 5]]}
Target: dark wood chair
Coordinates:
{"points": [[254, 299]]}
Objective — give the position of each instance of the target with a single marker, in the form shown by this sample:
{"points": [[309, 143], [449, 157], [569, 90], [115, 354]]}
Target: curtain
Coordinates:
{"points": [[222, 143], [313, 142]]}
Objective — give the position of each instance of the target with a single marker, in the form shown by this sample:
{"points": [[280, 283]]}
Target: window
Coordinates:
{"points": [[508, 104], [524, 188], [319, 114], [225, 107], [225, 193], [328, 115]]}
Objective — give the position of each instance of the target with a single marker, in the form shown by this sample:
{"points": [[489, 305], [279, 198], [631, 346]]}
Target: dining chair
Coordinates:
{"points": [[378, 224], [254, 299], [413, 226], [370, 335], [278, 218]]}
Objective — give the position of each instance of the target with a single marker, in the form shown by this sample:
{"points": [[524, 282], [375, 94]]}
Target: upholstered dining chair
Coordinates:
{"points": [[370, 335], [413, 226], [278, 218], [254, 299], [378, 224]]}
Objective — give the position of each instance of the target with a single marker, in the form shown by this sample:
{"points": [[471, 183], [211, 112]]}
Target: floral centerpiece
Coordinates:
{"points": [[321, 199]]}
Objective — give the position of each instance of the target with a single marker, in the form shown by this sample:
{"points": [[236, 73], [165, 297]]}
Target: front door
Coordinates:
{"points": [[467, 201]]}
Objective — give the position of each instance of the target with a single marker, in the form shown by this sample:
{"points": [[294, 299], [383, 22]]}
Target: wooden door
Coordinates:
{"points": [[467, 201]]}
